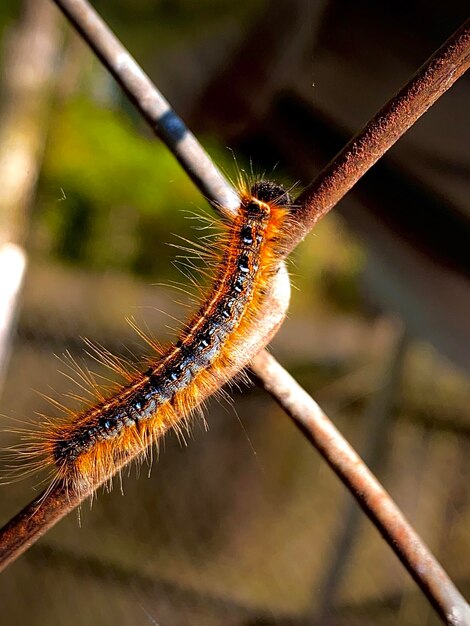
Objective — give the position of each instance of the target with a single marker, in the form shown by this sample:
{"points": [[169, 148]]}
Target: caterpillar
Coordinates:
{"points": [[82, 449]]}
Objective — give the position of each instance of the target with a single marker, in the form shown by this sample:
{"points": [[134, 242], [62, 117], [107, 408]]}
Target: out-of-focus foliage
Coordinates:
{"points": [[243, 525], [331, 263], [151, 25], [8, 15], [110, 196]]}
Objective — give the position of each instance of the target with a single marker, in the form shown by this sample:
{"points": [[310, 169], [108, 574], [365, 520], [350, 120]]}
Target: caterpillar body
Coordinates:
{"points": [[82, 450]]}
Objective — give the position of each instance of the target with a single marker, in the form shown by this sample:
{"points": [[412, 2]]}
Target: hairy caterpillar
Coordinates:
{"points": [[83, 449]]}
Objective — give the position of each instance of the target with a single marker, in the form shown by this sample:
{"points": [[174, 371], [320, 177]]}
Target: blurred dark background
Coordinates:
{"points": [[245, 525]]}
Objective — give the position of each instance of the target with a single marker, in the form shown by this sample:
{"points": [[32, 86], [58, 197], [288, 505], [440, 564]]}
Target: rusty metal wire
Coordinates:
{"points": [[49, 507], [372, 497], [431, 81], [397, 116]]}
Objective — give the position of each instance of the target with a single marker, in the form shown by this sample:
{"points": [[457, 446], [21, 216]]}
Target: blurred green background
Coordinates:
{"points": [[245, 524]]}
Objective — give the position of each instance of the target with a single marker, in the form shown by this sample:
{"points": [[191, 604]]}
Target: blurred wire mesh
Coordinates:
{"points": [[245, 525]]}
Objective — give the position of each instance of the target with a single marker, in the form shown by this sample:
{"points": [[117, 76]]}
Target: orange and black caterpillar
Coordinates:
{"points": [[84, 449]]}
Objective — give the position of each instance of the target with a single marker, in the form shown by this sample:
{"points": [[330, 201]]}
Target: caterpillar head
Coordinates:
{"points": [[271, 193]]}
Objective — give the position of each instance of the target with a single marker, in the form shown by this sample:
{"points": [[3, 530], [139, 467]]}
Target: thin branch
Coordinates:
{"points": [[436, 76]]}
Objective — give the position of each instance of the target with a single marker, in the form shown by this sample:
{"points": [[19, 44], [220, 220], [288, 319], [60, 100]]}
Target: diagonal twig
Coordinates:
{"points": [[431, 81]]}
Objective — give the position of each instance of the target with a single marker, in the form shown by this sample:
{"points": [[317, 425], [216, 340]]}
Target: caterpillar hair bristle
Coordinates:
{"points": [[84, 448]]}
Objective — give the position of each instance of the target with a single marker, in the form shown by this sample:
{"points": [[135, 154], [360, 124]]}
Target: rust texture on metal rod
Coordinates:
{"points": [[360, 481], [319, 198], [427, 85], [48, 508], [152, 105], [35, 519]]}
